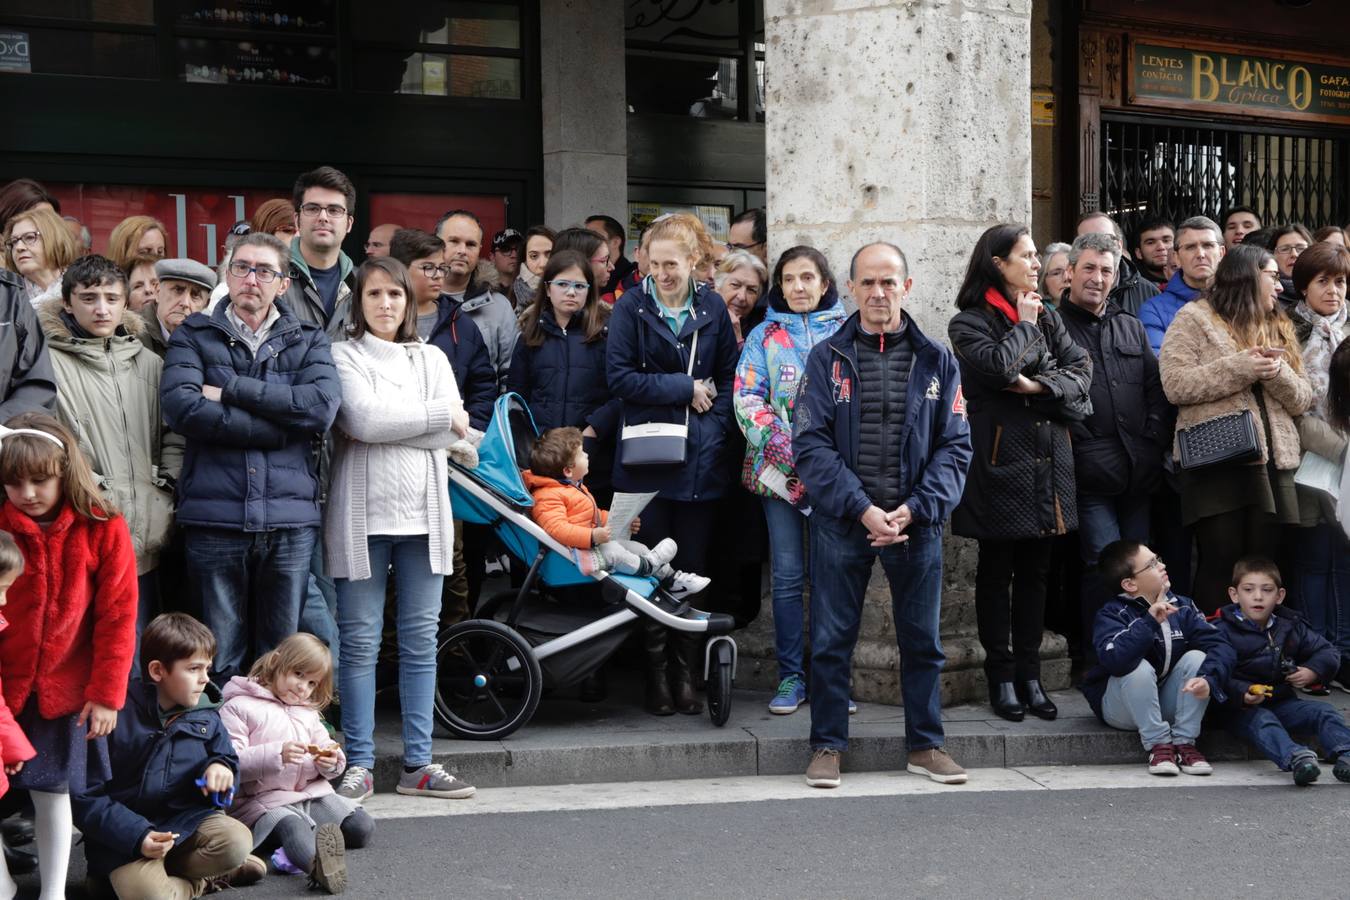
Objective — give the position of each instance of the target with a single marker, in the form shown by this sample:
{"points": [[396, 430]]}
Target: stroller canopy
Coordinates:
{"points": [[505, 449]]}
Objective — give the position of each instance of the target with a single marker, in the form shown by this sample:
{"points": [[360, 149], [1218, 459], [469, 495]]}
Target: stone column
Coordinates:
{"points": [[907, 122], [585, 136]]}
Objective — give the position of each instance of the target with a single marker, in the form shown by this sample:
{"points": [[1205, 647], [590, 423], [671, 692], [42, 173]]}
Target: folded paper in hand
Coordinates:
{"points": [[623, 509]]}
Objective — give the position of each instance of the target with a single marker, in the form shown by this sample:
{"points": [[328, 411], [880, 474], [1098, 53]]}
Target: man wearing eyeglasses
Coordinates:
{"points": [[377, 244], [252, 388], [321, 275], [750, 232]]}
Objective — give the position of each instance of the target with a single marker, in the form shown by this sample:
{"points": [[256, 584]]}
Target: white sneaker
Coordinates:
{"points": [[686, 584], [662, 553]]}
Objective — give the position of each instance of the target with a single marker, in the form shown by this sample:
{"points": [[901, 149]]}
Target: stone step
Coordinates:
{"points": [[569, 742]]}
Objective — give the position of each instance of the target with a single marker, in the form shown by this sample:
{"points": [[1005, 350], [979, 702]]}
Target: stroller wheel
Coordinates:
{"points": [[488, 682], [721, 673]]}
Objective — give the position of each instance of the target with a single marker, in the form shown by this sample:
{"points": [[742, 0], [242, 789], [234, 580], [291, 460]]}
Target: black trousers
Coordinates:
{"points": [[1221, 541], [1010, 583]]}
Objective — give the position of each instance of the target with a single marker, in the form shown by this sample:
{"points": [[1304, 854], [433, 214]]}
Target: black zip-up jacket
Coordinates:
{"points": [[1131, 289], [27, 380], [1119, 447]]}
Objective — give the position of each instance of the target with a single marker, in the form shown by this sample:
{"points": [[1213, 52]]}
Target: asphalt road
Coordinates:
{"points": [[1185, 838]]}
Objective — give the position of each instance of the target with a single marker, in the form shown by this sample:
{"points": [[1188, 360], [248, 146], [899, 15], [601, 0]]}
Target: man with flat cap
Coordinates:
{"points": [[185, 286]]}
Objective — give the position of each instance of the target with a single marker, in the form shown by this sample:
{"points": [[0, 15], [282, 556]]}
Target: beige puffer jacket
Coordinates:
{"points": [[1207, 376], [108, 394]]}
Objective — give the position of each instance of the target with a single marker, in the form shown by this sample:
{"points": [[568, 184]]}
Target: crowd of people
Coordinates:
{"points": [[240, 474]]}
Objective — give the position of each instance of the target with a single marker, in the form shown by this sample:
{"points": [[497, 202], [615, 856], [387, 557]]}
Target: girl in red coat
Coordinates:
{"points": [[72, 618]]}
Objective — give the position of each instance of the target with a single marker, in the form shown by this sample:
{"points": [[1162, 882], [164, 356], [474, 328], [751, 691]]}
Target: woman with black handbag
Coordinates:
{"points": [[1231, 364], [671, 360], [1024, 380]]}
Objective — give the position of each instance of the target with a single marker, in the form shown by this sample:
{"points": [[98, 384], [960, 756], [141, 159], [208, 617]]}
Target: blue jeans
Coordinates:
{"points": [[1101, 520], [360, 621], [251, 586], [318, 613], [1322, 583], [1161, 713], [1269, 725], [841, 565], [787, 569]]}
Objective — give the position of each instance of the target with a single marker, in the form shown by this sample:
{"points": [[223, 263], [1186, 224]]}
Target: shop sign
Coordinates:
{"points": [[14, 52], [1165, 75], [716, 219]]}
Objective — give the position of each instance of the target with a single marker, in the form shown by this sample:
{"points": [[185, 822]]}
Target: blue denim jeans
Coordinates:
{"points": [[318, 613], [841, 565], [1321, 581], [360, 621], [1161, 713], [1269, 727], [1101, 520], [251, 586], [787, 569]]}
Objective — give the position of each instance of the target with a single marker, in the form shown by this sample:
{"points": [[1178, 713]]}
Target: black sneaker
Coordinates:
{"points": [[1317, 690], [1342, 768], [1304, 768]]}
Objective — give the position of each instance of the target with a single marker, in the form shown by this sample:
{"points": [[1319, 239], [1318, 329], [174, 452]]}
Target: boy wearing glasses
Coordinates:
{"points": [[1159, 661], [1276, 652]]}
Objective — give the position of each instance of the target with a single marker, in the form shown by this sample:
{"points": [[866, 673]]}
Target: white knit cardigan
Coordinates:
{"points": [[386, 401]]}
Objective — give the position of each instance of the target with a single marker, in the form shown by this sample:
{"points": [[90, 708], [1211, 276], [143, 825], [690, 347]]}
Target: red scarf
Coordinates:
{"points": [[1000, 303]]}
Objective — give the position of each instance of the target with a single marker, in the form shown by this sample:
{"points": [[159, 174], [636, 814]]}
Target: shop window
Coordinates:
{"points": [[438, 75], [60, 51], [698, 58], [448, 48], [203, 61], [286, 16]]}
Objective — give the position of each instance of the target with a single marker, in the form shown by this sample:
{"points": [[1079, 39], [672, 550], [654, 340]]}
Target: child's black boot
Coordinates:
{"points": [[1304, 767]]}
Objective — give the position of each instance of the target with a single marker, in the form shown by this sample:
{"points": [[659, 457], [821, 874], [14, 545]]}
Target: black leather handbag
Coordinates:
{"points": [[1230, 438]]}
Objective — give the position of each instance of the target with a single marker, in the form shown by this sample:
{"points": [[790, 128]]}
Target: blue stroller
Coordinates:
{"points": [[561, 625]]}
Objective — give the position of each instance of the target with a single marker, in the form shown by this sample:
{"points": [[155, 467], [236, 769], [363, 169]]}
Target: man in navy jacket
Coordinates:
{"points": [[882, 445], [253, 390]]}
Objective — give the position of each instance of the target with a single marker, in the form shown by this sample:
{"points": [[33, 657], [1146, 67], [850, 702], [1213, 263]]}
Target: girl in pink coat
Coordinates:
{"points": [[285, 760]]}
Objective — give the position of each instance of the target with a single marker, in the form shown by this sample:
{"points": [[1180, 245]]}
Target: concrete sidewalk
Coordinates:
{"points": [[569, 742]]}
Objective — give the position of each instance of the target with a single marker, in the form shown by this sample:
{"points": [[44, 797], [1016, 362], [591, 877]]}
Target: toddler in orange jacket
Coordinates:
{"points": [[565, 509]]}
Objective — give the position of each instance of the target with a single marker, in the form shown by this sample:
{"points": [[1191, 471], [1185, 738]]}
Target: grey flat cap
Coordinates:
{"points": [[188, 270]]}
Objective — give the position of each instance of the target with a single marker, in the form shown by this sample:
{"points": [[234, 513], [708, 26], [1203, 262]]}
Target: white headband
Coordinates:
{"points": [[6, 432]]}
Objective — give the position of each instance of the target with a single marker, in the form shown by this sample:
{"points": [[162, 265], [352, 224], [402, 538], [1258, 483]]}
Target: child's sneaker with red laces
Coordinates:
{"points": [[1190, 761], [1162, 760]]}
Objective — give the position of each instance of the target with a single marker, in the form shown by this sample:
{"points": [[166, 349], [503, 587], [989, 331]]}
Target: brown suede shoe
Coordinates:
{"points": [[823, 772], [250, 871], [938, 765]]}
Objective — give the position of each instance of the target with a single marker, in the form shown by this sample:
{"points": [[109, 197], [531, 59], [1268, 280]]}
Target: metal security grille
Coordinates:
{"points": [[1178, 169]]}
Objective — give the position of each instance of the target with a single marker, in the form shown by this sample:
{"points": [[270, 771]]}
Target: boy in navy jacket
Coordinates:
{"points": [[1159, 661], [157, 828], [1277, 652]]}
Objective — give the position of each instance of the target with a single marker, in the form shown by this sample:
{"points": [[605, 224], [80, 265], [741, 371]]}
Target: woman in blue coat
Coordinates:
{"points": [[652, 334], [558, 365]]}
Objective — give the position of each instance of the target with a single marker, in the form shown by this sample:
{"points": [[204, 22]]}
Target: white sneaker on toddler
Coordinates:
{"points": [[685, 584]]}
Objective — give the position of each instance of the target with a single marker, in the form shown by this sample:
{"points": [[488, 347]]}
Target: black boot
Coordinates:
{"points": [[1003, 697], [17, 831], [681, 678], [659, 701], [21, 860], [1033, 697]]}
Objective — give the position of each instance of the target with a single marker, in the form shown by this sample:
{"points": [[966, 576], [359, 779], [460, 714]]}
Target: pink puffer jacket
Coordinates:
{"points": [[259, 724]]}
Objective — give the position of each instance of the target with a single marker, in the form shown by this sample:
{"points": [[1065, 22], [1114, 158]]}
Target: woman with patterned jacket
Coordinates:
{"points": [[804, 310]]}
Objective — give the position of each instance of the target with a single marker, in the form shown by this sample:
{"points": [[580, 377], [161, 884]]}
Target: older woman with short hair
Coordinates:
{"points": [[741, 279], [1054, 273], [38, 246]]}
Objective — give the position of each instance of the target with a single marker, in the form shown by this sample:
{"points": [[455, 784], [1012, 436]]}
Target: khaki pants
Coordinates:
{"points": [[218, 847]]}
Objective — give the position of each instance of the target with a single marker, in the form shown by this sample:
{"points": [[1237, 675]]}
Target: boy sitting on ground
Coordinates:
{"points": [[1159, 661], [565, 509], [157, 829], [1277, 652]]}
